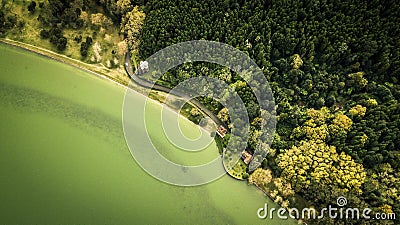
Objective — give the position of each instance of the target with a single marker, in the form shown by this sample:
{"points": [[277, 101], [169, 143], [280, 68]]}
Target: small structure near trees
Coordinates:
{"points": [[221, 131], [143, 67], [246, 156]]}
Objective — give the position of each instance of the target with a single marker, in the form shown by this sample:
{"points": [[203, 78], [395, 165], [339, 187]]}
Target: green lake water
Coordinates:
{"points": [[64, 160]]}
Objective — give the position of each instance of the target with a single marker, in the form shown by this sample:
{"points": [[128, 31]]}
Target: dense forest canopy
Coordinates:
{"points": [[334, 67]]}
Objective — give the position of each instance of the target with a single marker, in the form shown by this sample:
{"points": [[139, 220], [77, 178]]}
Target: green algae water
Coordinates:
{"points": [[64, 160]]}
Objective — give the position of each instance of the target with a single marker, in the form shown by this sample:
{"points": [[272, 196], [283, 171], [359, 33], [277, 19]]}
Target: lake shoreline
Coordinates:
{"points": [[60, 58], [69, 61], [15, 66]]}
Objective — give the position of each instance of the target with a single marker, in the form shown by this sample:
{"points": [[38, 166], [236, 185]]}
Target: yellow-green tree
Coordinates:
{"points": [[223, 115], [315, 128], [312, 166], [343, 121], [131, 25], [315, 162], [372, 102], [123, 6], [358, 79], [260, 177], [358, 110], [297, 62]]}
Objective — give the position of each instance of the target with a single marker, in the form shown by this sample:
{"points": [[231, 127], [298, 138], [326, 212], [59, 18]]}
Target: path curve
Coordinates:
{"points": [[144, 83]]}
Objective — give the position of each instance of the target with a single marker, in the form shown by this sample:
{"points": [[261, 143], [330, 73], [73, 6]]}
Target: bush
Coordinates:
{"points": [[84, 49], [61, 43], [57, 32], [32, 6], [44, 34], [78, 39], [89, 40], [53, 39]]}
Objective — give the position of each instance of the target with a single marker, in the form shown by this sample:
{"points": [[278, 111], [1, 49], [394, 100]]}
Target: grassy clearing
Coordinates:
{"points": [[109, 40]]}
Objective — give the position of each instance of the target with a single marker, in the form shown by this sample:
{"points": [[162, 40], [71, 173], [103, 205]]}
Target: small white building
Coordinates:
{"points": [[143, 67]]}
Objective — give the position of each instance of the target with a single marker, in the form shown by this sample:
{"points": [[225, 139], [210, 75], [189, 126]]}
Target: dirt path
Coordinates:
{"points": [[144, 83]]}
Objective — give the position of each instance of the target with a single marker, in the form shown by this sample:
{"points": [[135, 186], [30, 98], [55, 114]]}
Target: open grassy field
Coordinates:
{"points": [[107, 58]]}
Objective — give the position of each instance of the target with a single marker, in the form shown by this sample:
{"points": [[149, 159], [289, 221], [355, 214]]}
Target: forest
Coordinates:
{"points": [[333, 67]]}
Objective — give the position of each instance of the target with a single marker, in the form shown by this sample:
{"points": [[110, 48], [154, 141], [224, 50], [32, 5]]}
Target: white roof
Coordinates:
{"points": [[144, 65]]}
